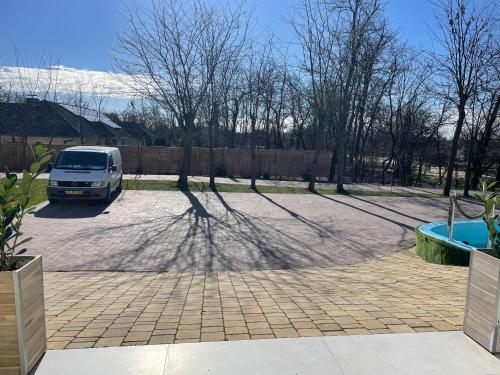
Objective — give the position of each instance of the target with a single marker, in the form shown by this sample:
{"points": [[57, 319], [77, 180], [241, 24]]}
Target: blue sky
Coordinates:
{"points": [[81, 33]]}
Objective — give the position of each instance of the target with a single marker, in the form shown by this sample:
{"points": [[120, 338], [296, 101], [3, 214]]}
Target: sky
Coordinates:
{"points": [[79, 35]]}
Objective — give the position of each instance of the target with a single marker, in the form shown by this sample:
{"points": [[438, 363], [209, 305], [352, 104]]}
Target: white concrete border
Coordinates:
{"points": [[406, 353]]}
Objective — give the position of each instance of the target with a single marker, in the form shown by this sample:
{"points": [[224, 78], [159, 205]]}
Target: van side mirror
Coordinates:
{"points": [[113, 168], [49, 167]]}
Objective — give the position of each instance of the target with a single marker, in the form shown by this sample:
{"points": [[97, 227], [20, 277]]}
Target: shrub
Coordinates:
{"points": [[15, 203], [307, 175], [491, 200], [220, 171]]}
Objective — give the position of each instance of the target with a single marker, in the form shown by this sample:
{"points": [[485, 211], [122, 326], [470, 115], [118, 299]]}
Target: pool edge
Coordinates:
{"points": [[435, 250]]}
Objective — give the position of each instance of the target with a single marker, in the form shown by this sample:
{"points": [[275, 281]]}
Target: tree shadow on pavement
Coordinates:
{"points": [[388, 209], [211, 235], [404, 225]]}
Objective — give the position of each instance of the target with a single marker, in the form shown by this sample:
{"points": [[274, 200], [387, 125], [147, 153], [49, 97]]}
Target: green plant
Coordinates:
{"points": [[15, 204], [307, 175], [491, 201]]}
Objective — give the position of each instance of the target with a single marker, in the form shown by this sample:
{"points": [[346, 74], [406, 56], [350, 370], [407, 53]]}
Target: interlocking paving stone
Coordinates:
{"points": [[240, 266], [396, 293], [159, 231]]}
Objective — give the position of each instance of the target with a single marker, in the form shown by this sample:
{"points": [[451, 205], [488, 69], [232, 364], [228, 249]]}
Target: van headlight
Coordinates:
{"points": [[97, 183], [53, 183]]}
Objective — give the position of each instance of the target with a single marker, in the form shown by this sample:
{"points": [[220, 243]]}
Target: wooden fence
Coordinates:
{"points": [[167, 160]]}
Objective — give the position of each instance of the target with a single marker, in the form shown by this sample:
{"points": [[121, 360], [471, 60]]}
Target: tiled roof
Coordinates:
{"points": [[35, 119], [49, 119]]}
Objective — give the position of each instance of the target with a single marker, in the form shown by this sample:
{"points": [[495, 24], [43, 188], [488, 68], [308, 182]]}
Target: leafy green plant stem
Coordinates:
{"points": [[15, 204], [491, 201]]}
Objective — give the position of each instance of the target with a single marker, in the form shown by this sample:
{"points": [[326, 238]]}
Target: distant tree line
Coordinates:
{"points": [[347, 85], [387, 112]]}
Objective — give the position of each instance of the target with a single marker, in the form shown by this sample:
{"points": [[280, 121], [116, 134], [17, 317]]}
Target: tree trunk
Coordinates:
{"points": [[439, 159], [317, 148], [341, 156], [314, 170], [468, 168], [211, 157], [356, 159], [387, 163], [234, 122], [300, 137], [211, 144], [418, 180], [266, 128], [278, 141], [454, 148], [182, 183], [253, 155], [482, 147], [333, 165]]}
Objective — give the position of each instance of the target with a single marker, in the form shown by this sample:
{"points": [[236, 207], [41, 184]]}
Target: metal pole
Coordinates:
{"points": [[486, 214], [451, 214]]}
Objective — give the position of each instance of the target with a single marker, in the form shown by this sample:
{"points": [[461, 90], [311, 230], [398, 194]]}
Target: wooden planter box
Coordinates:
{"points": [[22, 317], [482, 305]]}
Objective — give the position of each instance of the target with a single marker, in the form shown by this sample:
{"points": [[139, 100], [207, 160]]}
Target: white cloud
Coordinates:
{"points": [[66, 80]]}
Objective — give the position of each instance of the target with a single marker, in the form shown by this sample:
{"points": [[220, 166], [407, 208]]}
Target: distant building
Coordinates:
{"points": [[142, 136], [61, 124]]}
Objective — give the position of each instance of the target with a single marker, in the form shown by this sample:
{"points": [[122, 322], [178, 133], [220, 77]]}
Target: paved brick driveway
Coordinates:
{"points": [[184, 232], [397, 293]]}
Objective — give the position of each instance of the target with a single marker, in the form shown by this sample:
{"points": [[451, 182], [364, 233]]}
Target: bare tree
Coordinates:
{"points": [[464, 33], [358, 20], [31, 84], [315, 33], [171, 53], [84, 97], [235, 98], [222, 80], [487, 99], [38, 81], [255, 74]]}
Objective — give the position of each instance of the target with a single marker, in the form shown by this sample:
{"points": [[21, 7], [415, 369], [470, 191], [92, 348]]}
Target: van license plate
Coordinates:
{"points": [[73, 192]]}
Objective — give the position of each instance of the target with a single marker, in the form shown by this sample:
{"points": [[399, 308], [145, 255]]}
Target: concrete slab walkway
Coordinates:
{"points": [[420, 353]]}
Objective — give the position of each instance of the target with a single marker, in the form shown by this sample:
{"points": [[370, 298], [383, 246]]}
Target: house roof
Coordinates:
{"points": [[90, 115], [89, 128], [34, 118], [48, 119], [135, 130]]}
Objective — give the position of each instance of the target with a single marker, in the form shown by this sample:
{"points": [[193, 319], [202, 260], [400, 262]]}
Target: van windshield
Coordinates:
{"points": [[81, 160]]}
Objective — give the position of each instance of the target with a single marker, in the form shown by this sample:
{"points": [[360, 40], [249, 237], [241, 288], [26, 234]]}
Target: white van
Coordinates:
{"points": [[85, 172]]}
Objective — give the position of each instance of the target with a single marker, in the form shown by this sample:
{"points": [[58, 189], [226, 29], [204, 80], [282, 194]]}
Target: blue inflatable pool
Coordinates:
{"points": [[434, 245]]}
